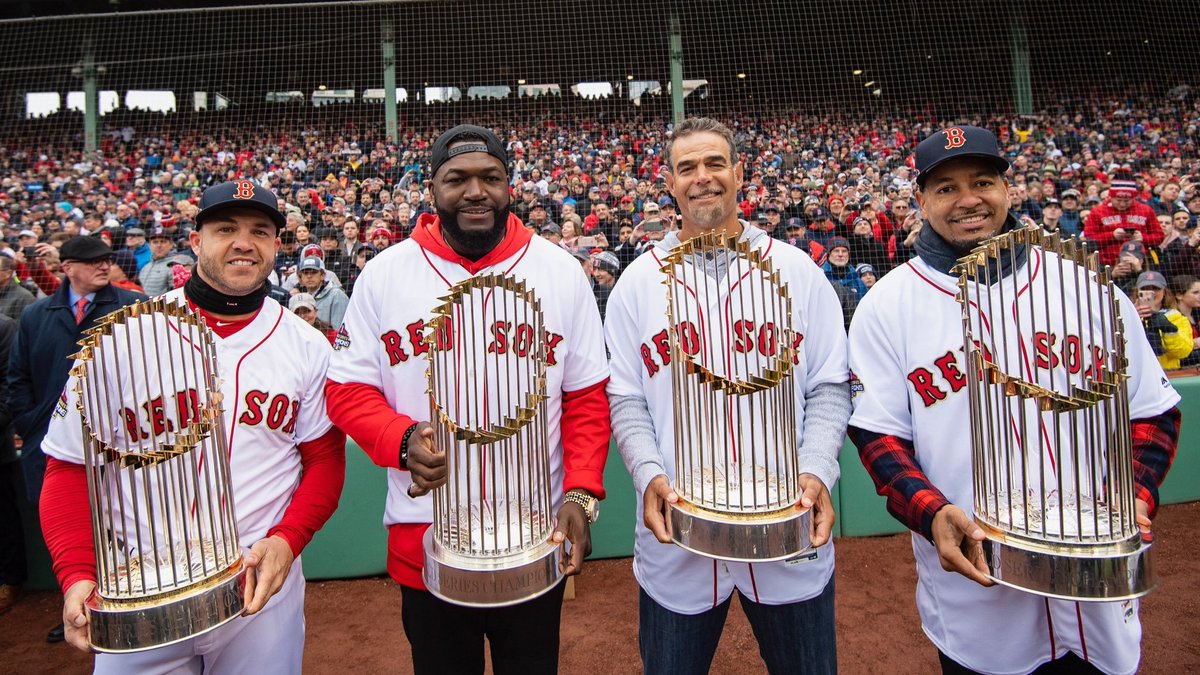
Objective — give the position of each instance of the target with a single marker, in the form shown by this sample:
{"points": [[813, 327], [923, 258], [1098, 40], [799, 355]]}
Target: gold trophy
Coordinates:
{"points": [[732, 347], [490, 545], [1050, 427], [168, 562]]}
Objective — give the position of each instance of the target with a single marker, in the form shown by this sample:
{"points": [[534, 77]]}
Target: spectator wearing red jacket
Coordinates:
{"points": [[1121, 219]]}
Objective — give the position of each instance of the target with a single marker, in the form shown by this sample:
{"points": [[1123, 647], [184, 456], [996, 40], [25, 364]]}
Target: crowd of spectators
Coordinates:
{"points": [[1123, 172]]}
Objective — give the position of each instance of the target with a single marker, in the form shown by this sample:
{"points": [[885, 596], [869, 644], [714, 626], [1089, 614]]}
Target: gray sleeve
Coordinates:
{"points": [[633, 427], [337, 310], [826, 414]]}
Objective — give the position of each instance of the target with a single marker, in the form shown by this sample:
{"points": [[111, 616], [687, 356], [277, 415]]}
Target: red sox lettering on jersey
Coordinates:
{"points": [[410, 342], [747, 337]]}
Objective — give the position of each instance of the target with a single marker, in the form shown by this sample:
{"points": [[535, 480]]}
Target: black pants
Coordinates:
{"points": [[448, 639], [1067, 665], [12, 534]]}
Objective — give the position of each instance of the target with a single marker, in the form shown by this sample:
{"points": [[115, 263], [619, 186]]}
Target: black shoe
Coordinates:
{"points": [[56, 634]]}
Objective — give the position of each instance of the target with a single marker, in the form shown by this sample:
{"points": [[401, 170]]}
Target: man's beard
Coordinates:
{"points": [[474, 245]]}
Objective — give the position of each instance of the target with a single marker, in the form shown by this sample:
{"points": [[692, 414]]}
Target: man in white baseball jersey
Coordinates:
{"points": [[287, 462], [911, 425], [684, 596], [377, 393]]}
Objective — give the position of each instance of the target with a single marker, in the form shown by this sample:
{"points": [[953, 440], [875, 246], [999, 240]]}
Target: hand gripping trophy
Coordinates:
{"points": [[168, 562]]}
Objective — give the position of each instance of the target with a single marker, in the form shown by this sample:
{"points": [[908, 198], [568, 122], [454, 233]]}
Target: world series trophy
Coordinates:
{"points": [[489, 545], [1050, 429], [168, 562], [732, 347]]}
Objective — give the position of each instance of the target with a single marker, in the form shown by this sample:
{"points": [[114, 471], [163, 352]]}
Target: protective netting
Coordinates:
{"points": [[827, 99]]}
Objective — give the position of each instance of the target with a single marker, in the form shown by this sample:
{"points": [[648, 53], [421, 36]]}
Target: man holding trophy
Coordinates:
{"points": [[471, 365], [729, 403], [1008, 406], [192, 429]]}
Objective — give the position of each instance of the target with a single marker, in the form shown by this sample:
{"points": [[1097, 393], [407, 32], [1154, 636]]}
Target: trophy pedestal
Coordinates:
{"points": [[490, 582], [778, 535], [117, 627], [1069, 572]]}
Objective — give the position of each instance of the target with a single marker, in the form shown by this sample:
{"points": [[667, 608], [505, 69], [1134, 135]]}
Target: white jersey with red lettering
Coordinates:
{"points": [[272, 374], [637, 333], [380, 343], [906, 351]]}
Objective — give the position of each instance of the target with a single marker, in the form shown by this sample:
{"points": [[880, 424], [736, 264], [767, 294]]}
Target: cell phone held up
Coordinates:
{"points": [[30, 252]]}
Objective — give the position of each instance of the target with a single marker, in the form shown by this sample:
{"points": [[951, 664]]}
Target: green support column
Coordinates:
{"points": [[1022, 87], [389, 81], [676, 46], [91, 102]]}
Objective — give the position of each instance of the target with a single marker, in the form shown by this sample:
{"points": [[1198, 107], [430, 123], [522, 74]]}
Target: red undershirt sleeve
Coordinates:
{"points": [[316, 497], [364, 414], [586, 432], [67, 522]]}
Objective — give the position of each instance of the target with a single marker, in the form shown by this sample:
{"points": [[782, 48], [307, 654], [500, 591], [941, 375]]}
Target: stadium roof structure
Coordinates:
{"points": [[778, 45]]}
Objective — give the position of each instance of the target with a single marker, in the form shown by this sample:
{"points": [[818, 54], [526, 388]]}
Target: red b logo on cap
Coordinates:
{"points": [[245, 190], [954, 138]]}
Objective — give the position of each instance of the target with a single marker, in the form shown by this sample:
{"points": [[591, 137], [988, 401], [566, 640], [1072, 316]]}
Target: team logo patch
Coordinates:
{"points": [[1165, 382], [60, 410], [245, 190], [342, 340], [856, 386]]}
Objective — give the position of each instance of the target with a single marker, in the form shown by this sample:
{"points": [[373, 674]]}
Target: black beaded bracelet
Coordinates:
{"points": [[404, 445]]}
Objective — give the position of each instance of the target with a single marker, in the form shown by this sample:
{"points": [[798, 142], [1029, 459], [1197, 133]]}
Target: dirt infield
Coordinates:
{"points": [[354, 626]]}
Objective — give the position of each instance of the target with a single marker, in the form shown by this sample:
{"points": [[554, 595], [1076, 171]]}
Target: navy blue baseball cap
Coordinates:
{"points": [[956, 142], [240, 194]]}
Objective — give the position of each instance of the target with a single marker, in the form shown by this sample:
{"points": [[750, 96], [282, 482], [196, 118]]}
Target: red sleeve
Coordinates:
{"points": [[323, 462], [586, 432], [44, 279], [364, 414], [67, 523], [1152, 235]]}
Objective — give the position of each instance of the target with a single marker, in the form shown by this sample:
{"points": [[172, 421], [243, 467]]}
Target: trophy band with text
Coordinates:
{"points": [[1050, 422], [489, 545], [169, 566], [732, 350]]}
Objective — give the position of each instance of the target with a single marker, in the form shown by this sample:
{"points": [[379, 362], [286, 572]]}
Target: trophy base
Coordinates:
{"points": [[1090, 577], [119, 627], [490, 582], [778, 535]]}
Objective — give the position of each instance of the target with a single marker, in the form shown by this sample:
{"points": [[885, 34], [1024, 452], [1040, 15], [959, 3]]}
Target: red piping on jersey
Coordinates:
{"points": [[753, 584], [1050, 626], [1082, 640]]}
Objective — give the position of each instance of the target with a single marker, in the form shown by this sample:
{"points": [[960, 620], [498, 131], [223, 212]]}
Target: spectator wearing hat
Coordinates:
{"points": [[155, 277], [796, 233], [820, 227], [380, 238], [304, 305], [539, 217], [1120, 219], [124, 271], [866, 272], [1069, 222], [48, 334], [1169, 331], [331, 301], [551, 233], [334, 259], [1052, 217], [865, 248], [606, 268], [650, 209], [839, 270], [14, 297], [287, 257], [135, 242], [1132, 260]]}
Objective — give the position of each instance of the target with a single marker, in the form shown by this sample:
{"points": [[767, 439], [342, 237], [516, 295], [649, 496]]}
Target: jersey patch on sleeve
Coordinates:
{"points": [[60, 410], [342, 340], [856, 386]]}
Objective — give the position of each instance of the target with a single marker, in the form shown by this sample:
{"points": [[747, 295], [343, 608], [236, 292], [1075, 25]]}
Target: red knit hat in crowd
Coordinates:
{"points": [[1122, 185]]}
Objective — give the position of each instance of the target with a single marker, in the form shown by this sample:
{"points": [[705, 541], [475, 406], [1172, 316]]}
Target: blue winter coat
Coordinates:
{"points": [[39, 363]]}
